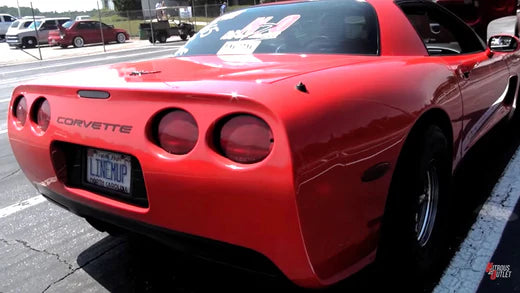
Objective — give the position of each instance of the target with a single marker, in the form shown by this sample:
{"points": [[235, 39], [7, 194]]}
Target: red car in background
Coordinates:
{"points": [[79, 33], [479, 13]]}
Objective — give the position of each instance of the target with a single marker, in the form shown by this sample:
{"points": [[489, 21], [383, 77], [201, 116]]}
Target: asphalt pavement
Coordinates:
{"points": [[44, 248]]}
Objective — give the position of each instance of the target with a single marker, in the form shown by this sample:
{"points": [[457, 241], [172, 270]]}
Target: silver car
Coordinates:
{"points": [[5, 22], [36, 33]]}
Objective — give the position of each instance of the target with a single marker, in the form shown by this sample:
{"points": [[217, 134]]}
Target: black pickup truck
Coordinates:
{"points": [[161, 30]]}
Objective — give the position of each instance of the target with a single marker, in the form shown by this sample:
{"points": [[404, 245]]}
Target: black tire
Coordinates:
{"points": [[183, 37], [191, 33], [78, 42], [29, 42], [162, 38], [152, 40], [420, 247], [120, 38]]}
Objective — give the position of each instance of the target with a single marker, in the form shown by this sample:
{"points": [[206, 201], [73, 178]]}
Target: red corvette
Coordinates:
{"points": [[313, 137], [79, 33]]}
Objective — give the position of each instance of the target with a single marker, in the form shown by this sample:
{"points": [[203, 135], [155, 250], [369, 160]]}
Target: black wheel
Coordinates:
{"points": [[78, 42], [152, 40], [183, 37], [191, 33], [29, 42], [414, 232], [120, 38], [162, 38]]}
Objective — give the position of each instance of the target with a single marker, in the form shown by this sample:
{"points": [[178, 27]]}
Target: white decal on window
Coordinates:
{"points": [[207, 30], [262, 29], [243, 47], [181, 51]]}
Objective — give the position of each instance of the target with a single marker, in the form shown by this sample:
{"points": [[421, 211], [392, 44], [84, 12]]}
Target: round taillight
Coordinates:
{"points": [[20, 110], [43, 114], [246, 139], [178, 132]]}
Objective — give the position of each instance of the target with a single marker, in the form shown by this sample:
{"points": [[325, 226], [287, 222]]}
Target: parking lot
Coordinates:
{"points": [[12, 56]]}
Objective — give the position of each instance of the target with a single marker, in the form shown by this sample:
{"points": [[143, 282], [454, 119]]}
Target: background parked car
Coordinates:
{"points": [[5, 22], [28, 38], [79, 33], [21, 24], [82, 17]]}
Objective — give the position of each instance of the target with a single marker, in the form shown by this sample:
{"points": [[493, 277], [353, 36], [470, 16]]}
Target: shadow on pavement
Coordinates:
{"points": [[142, 265]]}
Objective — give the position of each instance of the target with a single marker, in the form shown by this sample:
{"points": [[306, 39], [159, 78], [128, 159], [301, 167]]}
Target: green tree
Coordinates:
{"points": [[127, 5]]}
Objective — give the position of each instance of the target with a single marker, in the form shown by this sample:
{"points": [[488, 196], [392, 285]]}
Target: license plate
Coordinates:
{"points": [[109, 170]]}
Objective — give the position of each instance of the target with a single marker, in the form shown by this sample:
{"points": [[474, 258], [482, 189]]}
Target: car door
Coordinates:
{"points": [[3, 27], [95, 32], [45, 28], [109, 33], [84, 30], [483, 77]]}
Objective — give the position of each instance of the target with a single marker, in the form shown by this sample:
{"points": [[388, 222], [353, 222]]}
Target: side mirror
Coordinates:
{"points": [[435, 28], [503, 43]]}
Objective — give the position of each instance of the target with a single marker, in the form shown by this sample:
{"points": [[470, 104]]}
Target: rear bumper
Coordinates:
{"points": [[58, 41], [201, 247], [316, 233], [13, 40], [200, 194]]}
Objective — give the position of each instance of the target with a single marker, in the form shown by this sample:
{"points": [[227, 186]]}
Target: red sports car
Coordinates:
{"points": [[79, 33], [310, 137]]}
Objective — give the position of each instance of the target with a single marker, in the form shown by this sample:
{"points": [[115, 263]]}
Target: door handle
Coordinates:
{"points": [[465, 69]]}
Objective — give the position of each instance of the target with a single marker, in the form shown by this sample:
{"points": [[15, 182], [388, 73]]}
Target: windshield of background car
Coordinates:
{"points": [[68, 24], [37, 24], [322, 27], [15, 24]]}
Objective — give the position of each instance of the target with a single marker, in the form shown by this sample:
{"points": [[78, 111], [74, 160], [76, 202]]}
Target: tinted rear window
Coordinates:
{"points": [[15, 24], [324, 27]]}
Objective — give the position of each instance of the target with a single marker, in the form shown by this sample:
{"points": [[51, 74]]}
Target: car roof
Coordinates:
{"points": [[54, 18]]}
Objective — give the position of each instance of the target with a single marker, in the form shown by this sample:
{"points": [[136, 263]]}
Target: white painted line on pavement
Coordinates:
{"points": [[21, 206], [3, 131], [5, 100], [87, 61], [18, 81], [468, 266]]}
